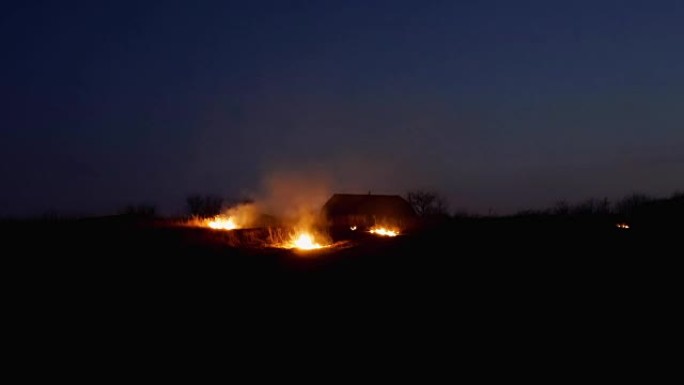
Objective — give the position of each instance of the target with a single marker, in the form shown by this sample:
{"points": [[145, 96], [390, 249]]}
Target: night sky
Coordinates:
{"points": [[498, 106]]}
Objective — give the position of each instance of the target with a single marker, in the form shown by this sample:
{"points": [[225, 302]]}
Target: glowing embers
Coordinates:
{"points": [[384, 231], [622, 226]]}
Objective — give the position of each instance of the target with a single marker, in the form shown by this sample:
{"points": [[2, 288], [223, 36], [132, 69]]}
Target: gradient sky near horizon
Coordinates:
{"points": [[498, 106]]}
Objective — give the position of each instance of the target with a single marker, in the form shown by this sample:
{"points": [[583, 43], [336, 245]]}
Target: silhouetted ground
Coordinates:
{"points": [[509, 254], [472, 285]]}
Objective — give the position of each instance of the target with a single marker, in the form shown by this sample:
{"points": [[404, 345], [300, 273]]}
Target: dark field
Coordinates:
{"points": [[111, 285], [486, 254]]}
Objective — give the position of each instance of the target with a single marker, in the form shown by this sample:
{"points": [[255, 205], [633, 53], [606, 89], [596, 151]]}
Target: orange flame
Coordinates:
{"points": [[222, 223], [303, 240], [237, 217], [383, 231], [219, 222]]}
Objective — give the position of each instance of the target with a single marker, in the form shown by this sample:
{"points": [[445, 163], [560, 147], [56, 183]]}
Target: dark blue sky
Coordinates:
{"points": [[496, 105]]}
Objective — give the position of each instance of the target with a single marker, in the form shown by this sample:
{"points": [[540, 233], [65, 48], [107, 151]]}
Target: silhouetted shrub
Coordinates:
{"points": [[631, 203], [560, 208], [143, 210], [591, 207], [204, 205]]}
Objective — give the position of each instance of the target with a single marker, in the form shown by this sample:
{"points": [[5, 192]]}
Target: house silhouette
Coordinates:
{"points": [[367, 210]]}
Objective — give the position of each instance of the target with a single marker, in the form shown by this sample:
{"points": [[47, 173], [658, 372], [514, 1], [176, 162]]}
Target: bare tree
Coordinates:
{"points": [[561, 207], [592, 207], [427, 203], [630, 203]]}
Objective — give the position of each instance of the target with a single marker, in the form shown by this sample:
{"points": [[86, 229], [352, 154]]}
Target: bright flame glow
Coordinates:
{"points": [[622, 226], [219, 223], [384, 231], [352, 228], [305, 242], [237, 217]]}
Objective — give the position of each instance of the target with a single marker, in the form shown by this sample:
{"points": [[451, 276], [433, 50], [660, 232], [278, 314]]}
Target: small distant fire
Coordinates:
{"points": [[238, 217], [622, 226], [384, 231], [352, 228]]}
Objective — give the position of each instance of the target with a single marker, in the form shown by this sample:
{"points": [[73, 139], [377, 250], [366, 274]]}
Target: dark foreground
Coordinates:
{"points": [[525, 257], [148, 291]]}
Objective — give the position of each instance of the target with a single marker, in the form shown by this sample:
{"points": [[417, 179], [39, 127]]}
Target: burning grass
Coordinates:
{"points": [[218, 222], [384, 231], [244, 226], [277, 237], [238, 217], [301, 239]]}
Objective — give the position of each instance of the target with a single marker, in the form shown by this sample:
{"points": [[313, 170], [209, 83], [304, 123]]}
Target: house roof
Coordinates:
{"points": [[367, 204]]}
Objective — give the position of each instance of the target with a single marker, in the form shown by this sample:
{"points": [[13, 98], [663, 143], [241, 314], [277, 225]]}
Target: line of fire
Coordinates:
{"points": [[343, 217]]}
